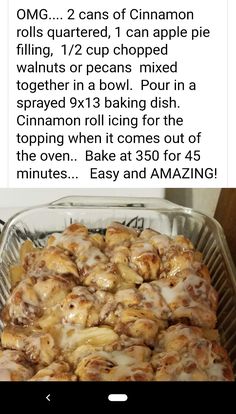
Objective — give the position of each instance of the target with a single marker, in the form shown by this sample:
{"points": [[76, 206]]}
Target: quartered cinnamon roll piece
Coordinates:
{"points": [[120, 235], [176, 261], [57, 371], [186, 354], [37, 346], [32, 296], [190, 299], [80, 307], [50, 259], [145, 260], [131, 364], [14, 367]]}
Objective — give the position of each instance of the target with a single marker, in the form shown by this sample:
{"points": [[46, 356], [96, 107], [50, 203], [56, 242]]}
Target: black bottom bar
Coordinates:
{"points": [[94, 395]]}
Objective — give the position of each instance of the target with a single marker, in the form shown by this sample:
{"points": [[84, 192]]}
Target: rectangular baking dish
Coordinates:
{"points": [[96, 213]]}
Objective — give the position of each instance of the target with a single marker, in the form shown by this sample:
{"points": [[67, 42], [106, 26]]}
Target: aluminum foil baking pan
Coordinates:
{"points": [[205, 233]]}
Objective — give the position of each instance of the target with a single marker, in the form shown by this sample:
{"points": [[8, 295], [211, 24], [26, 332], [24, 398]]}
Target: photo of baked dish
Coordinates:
{"points": [[129, 305]]}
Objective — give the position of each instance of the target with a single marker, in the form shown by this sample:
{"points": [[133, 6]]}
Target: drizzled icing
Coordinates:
{"points": [[90, 307]]}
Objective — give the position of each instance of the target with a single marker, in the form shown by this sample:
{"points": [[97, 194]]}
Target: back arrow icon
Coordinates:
{"points": [[48, 397]]}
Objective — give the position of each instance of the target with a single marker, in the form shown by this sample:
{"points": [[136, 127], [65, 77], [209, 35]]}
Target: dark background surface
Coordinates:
{"points": [[226, 215]]}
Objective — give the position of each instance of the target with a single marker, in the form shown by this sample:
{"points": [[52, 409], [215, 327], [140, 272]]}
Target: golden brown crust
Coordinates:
{"points": [[128, 365], [32, 296], [188, 356], [127, 306], [57, 371], [51, 259], [14, 367]]}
